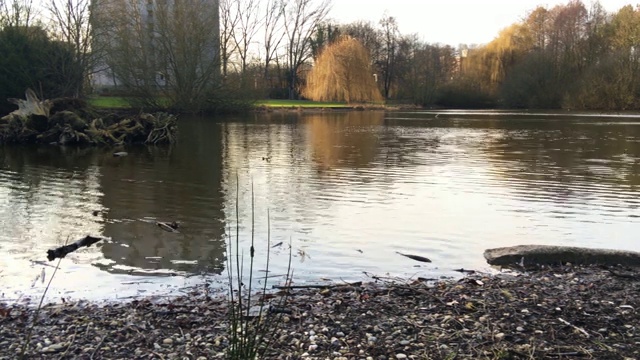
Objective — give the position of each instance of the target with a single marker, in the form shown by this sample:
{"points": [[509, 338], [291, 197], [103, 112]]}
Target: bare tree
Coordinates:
{"points": [[3, 13], [73, 25], [187, 51], [17, 13], [166, 51], [429, 68], [301, 19], [124, 34], [273, 34], [229, 19], [390, 36], [248, 25], [367, 34]]}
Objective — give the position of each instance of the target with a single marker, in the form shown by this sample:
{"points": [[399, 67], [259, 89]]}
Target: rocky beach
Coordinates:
{"points": [[558, 312]]}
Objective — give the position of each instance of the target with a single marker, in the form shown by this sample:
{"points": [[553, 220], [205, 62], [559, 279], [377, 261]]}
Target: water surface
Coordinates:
{"points": [[347, 189]]}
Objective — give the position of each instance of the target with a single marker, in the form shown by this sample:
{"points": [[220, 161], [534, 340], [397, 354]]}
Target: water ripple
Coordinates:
{"points": [[348, 190]]}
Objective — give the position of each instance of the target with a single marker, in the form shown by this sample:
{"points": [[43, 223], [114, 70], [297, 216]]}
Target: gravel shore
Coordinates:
{"points": [[551, 313]]}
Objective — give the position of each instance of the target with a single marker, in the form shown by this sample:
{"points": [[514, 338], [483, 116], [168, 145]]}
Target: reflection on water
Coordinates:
{"points": [[335, 142], [179, 184], [347, 189]]}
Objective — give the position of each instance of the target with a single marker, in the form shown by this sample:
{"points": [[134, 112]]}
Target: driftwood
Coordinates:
{"points": [[67, 121], [62, 251], [31, 105], [465, 271], [415, 257], [525, 255], [169, 227], [327, 286]]}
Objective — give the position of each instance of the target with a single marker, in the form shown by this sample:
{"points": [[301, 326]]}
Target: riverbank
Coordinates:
{"points": [[559, 313], [72, 121], [115, 103]]}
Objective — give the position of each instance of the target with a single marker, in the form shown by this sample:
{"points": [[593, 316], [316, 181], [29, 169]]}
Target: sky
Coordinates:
{"points": [[451, 22]]}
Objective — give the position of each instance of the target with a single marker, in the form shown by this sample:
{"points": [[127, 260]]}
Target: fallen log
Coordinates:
{"points": [[526, 255], [62, 251], [319, 286]]}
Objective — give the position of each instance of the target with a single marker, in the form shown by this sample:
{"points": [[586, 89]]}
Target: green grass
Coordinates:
{"points": [[300, 103], [109, 102], [116, 102]]}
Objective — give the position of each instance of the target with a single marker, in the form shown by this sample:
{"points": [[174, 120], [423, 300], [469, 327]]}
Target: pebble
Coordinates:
{"points": [[321, 331], [53, 348]]}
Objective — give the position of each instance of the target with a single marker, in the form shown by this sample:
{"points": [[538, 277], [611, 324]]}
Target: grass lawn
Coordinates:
{"points": [[109, 102], [299, 103], [115, 102]]}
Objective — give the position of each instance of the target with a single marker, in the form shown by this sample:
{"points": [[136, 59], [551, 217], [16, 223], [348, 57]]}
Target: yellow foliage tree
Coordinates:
{"points": [[342, 72]]}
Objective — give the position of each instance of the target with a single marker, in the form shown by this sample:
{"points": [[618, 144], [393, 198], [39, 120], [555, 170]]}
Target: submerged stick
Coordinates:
{"points": [[327, 286], [415, 257], [66, 249]]}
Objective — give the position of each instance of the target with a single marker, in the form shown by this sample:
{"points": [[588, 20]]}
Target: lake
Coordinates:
{"points": [[346, 190]]}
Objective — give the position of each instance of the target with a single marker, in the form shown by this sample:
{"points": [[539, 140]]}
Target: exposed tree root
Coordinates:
{"points": [[78, 124]]}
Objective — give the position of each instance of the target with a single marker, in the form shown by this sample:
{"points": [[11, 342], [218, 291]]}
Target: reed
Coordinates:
{"points": [[250, 335]]}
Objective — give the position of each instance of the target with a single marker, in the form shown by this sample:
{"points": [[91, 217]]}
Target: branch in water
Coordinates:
{"points": [[66, 249]]}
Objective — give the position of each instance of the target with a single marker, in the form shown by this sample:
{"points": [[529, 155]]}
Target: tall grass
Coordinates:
{"points": [[250, 336]]}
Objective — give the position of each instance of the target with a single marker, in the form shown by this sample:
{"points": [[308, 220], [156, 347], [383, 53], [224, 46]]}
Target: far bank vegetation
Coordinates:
{"points": [[575, 55], [342, 72]]}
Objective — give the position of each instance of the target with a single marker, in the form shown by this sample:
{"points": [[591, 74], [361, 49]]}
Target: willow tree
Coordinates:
{"points": [[342, 72]]}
